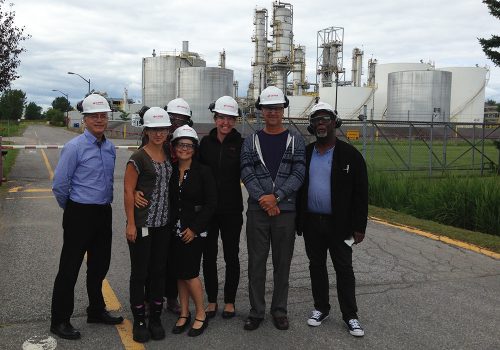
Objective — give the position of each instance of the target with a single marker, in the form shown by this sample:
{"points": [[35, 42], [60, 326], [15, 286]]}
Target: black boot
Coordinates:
{"points": [[155, 326], [140, 331]]}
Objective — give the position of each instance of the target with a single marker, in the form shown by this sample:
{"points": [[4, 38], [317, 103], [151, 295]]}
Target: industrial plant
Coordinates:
{"points": [[393, 91]]}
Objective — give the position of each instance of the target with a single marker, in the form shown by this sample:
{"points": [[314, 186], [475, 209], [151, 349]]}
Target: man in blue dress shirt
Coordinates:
{"points": [[332, 215], [83, 187]]}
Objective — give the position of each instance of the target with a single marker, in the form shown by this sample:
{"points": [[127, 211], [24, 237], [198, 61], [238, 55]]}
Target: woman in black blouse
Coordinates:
{"points": [[149, 171], [193, 201]]}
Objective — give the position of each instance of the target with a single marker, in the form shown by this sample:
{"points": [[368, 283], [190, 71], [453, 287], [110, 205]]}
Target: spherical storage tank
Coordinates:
{"points": [[419, 95], [200, 86]]}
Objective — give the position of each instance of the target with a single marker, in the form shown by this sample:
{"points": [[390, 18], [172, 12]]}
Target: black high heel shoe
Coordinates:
{"points": [[211, 314], [194, 332], [179, 329], [229, 314]]}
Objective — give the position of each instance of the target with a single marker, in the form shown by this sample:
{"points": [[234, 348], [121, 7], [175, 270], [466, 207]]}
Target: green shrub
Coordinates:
{"points": [[472, 203]]}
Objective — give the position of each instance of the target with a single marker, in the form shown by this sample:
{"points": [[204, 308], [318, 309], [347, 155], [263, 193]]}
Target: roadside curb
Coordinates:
{"points": [[435, 237]]}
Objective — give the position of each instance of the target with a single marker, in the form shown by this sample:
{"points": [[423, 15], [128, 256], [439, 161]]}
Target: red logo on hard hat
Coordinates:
{"points": [[230, 106], [272, 95]]}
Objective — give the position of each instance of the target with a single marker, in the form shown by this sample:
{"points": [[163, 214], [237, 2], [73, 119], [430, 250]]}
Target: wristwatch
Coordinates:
{"points": [[277, 198]]}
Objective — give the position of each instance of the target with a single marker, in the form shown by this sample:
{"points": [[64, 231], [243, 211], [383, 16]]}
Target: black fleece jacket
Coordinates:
{"points": [[349, 186], [224, 161]]}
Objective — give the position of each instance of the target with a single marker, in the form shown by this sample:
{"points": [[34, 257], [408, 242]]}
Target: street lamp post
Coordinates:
{"points": [[88, 81], [67, 99]]}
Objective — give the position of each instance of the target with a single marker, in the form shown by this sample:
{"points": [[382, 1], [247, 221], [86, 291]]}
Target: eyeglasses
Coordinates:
{"points": [[321, 119], [184, 146], [95, 117], [163, 131]]}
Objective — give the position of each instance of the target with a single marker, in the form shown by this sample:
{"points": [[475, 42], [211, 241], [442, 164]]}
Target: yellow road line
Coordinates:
{"points": [[125, 331], [37, 190], [47, 164], [110, 298], [30, 197], [444, 239]]}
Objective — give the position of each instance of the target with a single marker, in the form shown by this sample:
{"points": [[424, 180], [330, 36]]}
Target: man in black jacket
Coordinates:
{"points": [[220, 150], [333, 210]]}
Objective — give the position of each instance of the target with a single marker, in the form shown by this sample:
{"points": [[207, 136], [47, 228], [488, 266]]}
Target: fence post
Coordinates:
{"points": [[482, 151], [430, 145], [445, 139], [473, 145], [364, 131], [410, 142], [1, 162]]}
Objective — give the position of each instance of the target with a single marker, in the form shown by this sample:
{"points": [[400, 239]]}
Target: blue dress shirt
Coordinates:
{"points": [[319, 191], [85, 171]]}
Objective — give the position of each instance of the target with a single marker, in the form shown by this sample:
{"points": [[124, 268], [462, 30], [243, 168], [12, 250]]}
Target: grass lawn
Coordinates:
{"points": [[482, 240], [456, 157]]}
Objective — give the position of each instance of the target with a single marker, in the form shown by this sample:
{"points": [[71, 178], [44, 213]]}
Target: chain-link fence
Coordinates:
{"points": [[429, 148]]}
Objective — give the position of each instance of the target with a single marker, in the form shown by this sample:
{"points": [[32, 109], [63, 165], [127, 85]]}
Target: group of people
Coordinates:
{"points": [[181, 193]]}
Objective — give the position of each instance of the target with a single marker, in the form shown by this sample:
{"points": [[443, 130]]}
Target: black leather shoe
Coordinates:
{"points": [[281, 322], [104, 317], [252, 323], [228, 314], [180, 329], [194, 332], [211, 314], [65, 330]]}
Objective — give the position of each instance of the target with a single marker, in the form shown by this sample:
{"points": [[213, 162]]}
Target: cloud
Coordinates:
{"points": [[106, 40]]}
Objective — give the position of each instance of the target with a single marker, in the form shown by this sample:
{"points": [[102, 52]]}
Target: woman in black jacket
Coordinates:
{"points": [[220, 150], [193, 201]]}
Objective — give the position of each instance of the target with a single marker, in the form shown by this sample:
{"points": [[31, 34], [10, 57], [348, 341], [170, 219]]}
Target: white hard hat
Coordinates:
{"points": [[322, 106], [95, 103], [179, 106], [156, 117], [271, 95], [185, 131], [226, 105]]}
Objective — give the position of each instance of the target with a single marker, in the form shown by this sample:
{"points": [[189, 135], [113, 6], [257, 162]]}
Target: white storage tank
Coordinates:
{"points": [[419, 96], [200, 86], [381, 75], [467, 93], [160, 75]]}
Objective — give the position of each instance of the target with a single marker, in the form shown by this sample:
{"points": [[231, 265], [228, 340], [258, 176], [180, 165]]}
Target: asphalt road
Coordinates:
{"points": [[412, 292]]}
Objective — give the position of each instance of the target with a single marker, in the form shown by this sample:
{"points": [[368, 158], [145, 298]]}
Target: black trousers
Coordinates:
{"points": [[229, 226], [319, 239], [87, 229], [148, 260]]}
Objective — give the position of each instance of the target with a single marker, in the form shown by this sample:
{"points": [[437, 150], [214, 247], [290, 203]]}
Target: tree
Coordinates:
{"points": [[10, 49], [33, 111], [12, 104], [489, 45], [62, 104], [55, 117]]}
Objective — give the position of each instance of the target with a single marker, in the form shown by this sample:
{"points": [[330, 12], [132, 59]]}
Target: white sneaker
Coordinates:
{"points": [[316, 318], [355, 328]]}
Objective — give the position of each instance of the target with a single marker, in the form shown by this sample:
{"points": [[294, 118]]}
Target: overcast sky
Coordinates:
{"points": [[106, 40]]}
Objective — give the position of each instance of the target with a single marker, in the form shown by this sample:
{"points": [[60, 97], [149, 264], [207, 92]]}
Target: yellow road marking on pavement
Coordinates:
{"points": [[125, 331], [36, 190], [30, 197], [47, 164], [110, 298], [444, 239], [15, 189]]}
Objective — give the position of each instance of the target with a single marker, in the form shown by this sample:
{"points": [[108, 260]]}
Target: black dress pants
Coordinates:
{"points": [[229, 226], [319, 238], [148, 260], [87, 229]]}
